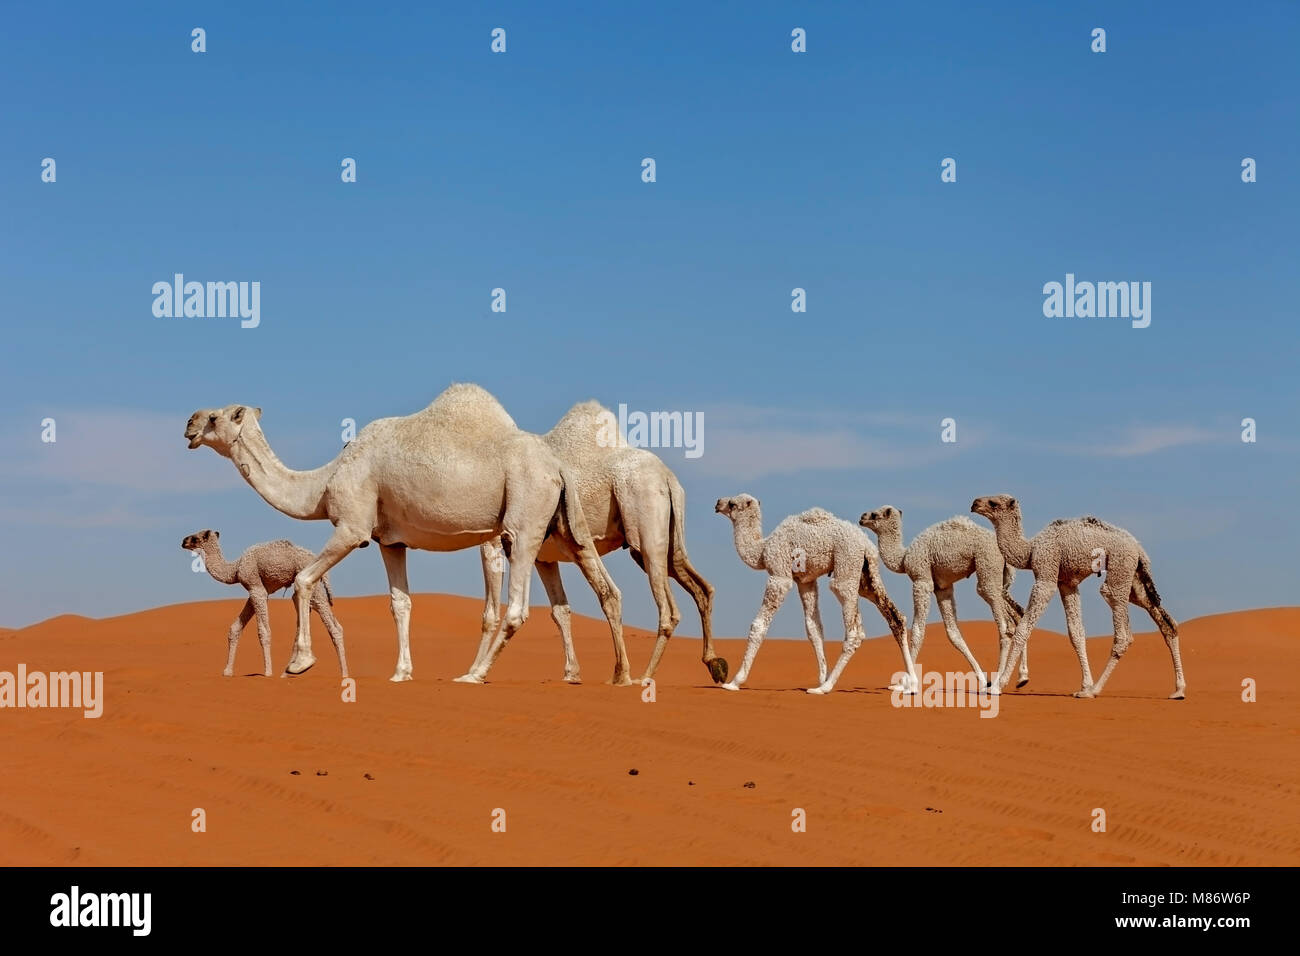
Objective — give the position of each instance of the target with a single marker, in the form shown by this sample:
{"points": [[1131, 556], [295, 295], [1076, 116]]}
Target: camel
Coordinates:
{"points": [[631, 500], [453, 475], [938, 558], [801, 549], [1061, 556], [264, 569]]}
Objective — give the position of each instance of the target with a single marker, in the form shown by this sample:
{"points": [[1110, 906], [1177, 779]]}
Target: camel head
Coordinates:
{"points": [[881, 519], [735, 507], [219, 428], [996, 507], [199, 540]]}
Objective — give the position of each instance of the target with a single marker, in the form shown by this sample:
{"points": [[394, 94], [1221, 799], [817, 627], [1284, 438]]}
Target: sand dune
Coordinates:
{"points": [[411, 773]]}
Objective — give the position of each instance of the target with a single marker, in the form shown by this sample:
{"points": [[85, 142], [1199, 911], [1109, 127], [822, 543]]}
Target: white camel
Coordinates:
{"points": [[262, 570], [801, 549], [1061, 556], [938, 558], [456, 474], [631, 500]]}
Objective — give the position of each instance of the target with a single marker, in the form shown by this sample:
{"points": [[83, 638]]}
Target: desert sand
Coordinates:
{"points": [[411, 773]]}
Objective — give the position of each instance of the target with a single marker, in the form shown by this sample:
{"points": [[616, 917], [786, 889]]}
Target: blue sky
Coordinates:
{"points": [[775, 170]]}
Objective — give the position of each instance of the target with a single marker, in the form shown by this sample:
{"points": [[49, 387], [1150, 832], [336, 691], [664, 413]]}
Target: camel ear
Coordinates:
{"points": [[257, 413], [1011, 502], [238, 415]]}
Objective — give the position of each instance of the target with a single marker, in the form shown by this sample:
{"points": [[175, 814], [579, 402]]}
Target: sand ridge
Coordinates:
{"points": [[411, 773]]}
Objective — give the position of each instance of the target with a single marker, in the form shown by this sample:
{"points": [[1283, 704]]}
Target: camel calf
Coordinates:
{"points": [[264, 569]]}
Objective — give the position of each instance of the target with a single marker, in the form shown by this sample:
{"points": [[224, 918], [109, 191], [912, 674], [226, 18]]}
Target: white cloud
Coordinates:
{"points": [[748, 442], [1147, 439], [114, 448]]}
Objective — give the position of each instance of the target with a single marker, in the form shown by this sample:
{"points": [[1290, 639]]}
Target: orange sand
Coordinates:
{"points": [[1209, 780]]}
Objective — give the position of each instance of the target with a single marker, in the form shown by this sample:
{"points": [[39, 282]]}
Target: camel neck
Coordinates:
{"points": [[748, 532], [891, 548], [1012, 543], [221, 570], [299, 494]]}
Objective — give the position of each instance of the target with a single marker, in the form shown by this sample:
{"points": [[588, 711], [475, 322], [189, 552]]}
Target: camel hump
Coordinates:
{"points": [[587, 423], [1090, 521], [957, 522], [470, 408], [816, 516]]}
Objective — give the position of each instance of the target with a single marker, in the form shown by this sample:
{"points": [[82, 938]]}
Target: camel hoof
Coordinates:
{"points": [[296, 666], [572, 679], [1085, 694], [465, 679], [819, 691], [623, 681], [1178, 695], [730, 685], [400, 676], [719, 670], [1022, 682], [993, 690], [232, 674]]}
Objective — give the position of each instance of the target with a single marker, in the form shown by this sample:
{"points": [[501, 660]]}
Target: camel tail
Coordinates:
{"points": [[569, 518], [871, 577], [1144, 575], [677, 528], [1008, 576]]}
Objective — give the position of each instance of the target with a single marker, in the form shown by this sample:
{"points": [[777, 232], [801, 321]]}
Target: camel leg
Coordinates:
{"points": [[989, 585], [1078, 636], [611, 603], [1118, 601], [549, 572], [948, 611], [773, 595], [493, 559], [1039, 598], [326, 614], [846, 591], [1014, 612], [921, 592], [812, 625], [1168, 629], [872, 588], [237, 628], [701, 591], [654, 556], [523, 555], [258, 597], [399, 603], [341, 543]]}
